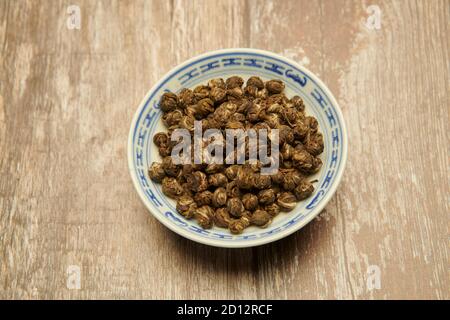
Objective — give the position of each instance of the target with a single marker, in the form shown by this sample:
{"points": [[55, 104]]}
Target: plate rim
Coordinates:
{"points": [[259, 241]]}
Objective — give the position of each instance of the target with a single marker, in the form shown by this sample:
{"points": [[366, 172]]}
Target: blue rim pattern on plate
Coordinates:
{"points": [[216, 64]]}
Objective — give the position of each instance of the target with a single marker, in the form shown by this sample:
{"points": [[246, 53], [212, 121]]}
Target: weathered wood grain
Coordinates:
{"points": [[67, 98]]}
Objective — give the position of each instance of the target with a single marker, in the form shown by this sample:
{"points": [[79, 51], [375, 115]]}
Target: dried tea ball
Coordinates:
{"points": [[235, 93], [303, 190], [235, 207], [234, 82], [222, 218], [302, 160], [187, 122], [219, 198], [261, 181], [286, 134], [203, 108], [161, 139], [169, 167], [245, 178], [156, 172], [201, 92], [254, 112], [291, 180], [186, 97], [266, 196], [250, 201], [261, 218], [312, 123], [291, 116], [298, 103], [233, 190], [251, 91], [198, 181], [165, 150], [186, 206], [286, 151], [255, 82], [286, 201], [187, 191], [236, 226], [300, 130], [203, 198], [275, 86], [278, 177], [238, 117], [245, 219], [171, 187], [217, 180], [273, 209], [168, 102], [204, 216], [216, 83], [218, 94], [274, 108], [273, 120], [172, 118], [314, 144], [317, 164]]}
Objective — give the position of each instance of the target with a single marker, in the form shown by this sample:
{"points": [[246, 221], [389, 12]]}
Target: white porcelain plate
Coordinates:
{"points": [[319, 102]]}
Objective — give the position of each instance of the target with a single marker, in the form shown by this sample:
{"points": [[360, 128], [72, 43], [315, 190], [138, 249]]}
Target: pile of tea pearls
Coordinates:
{"points": [[237, 196]]}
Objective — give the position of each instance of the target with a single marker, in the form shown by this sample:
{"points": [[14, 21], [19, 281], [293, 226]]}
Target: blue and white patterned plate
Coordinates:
{"points": [[319, 102]]}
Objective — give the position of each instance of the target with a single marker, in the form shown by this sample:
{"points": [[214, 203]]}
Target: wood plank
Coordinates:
{"points": [[67, 98]]}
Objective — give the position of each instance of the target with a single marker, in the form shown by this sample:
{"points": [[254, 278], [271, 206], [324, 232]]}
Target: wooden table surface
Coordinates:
{"points": [[71, 223]]}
